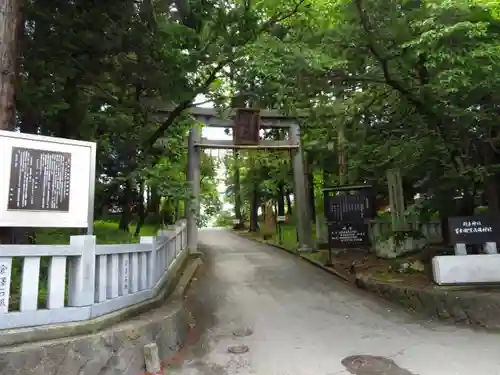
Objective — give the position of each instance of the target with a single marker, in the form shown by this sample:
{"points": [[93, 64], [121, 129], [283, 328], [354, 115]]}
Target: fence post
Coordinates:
{"points": [[170, 243], [81, 285], [184, 234], [152, 259], [178, 238]]}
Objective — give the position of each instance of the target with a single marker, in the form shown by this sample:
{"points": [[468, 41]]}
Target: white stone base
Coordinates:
{"points": [[466, 269]]}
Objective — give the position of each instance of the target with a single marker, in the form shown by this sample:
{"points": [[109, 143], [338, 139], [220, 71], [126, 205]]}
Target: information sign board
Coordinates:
{"points": [[50, 181], [474, 230], [347, 209], [346, 235]]}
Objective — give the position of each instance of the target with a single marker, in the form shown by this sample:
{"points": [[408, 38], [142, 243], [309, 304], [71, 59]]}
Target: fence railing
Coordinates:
{"points": [[50, 284], [430, 230]]}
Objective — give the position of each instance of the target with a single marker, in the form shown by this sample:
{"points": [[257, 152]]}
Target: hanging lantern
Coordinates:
{"points": [[246, 126]]}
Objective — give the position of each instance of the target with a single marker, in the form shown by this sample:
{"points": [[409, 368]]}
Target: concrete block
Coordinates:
{"points": [[466, 269]]}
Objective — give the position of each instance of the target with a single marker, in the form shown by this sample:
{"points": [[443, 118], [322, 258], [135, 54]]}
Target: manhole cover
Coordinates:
{"points": [[373, 365], [242, 332], [238, 349]]}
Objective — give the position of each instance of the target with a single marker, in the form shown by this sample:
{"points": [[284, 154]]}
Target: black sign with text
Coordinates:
{"points": [[474, 230], [348, 206], [348, 235], [39, 180], [347, 209]]}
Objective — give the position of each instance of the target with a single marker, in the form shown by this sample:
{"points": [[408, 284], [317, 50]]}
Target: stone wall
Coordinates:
{"points": [[457, 305], [115, 350]]}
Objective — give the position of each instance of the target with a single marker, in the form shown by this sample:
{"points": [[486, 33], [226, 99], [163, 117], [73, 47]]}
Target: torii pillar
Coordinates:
{"points": [[193, 206], [270, 119], [302, 212]]}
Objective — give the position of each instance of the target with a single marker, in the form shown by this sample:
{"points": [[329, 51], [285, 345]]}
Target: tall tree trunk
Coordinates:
{"points": [[10, 21], [168, 212], [342, 157], [141, 210], [177, 210], [281, 200], [237, 191], [126, 205], [310, 186], [70, 118], [492, 193], [154, 204], [263, 211], [288, 204], [10, 17], [254, 213]]}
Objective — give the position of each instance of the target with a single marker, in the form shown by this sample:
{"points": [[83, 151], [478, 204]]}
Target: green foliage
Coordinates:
{"points": [[410, 85], [224, 219], [413, 86], [100, 72]]}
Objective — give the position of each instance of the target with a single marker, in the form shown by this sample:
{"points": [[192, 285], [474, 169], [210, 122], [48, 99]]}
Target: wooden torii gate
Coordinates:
{"points": [[267, 119]]}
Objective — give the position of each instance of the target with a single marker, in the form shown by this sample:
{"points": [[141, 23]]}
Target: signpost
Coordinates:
{"points": [[346, 209], [49, 181], [474, 230], [279, 220]]}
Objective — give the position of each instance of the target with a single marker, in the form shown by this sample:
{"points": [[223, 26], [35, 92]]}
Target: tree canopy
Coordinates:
{"points": [[411, 84]]}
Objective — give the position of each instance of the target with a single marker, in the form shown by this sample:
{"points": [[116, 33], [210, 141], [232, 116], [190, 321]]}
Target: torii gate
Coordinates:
{"points": [[268, 119]]}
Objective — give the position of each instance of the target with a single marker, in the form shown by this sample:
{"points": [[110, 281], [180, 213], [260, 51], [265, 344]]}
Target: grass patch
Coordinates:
{"points": [[288, 236], [319, 256], [106, 232]]}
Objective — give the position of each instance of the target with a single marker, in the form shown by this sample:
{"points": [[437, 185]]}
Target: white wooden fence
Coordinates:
{"points": [[86, 280]]}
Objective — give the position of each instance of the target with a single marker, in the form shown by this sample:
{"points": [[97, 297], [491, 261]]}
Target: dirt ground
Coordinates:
{"points": [[412, 270]]}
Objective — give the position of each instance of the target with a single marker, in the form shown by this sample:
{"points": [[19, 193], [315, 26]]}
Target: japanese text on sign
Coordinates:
{"points": [[5, 270], [125, 275], [474, 230], [39, 180], [473, 227], [350, 235]]}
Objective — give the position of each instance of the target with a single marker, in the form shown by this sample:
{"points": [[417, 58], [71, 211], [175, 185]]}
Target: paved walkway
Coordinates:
{"points": [[306, 322]]}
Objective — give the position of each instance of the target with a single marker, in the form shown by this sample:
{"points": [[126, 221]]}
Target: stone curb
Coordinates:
{"points": [[311, 261], [460, 307], [117, 349], [52, 332], [187, 276]]}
